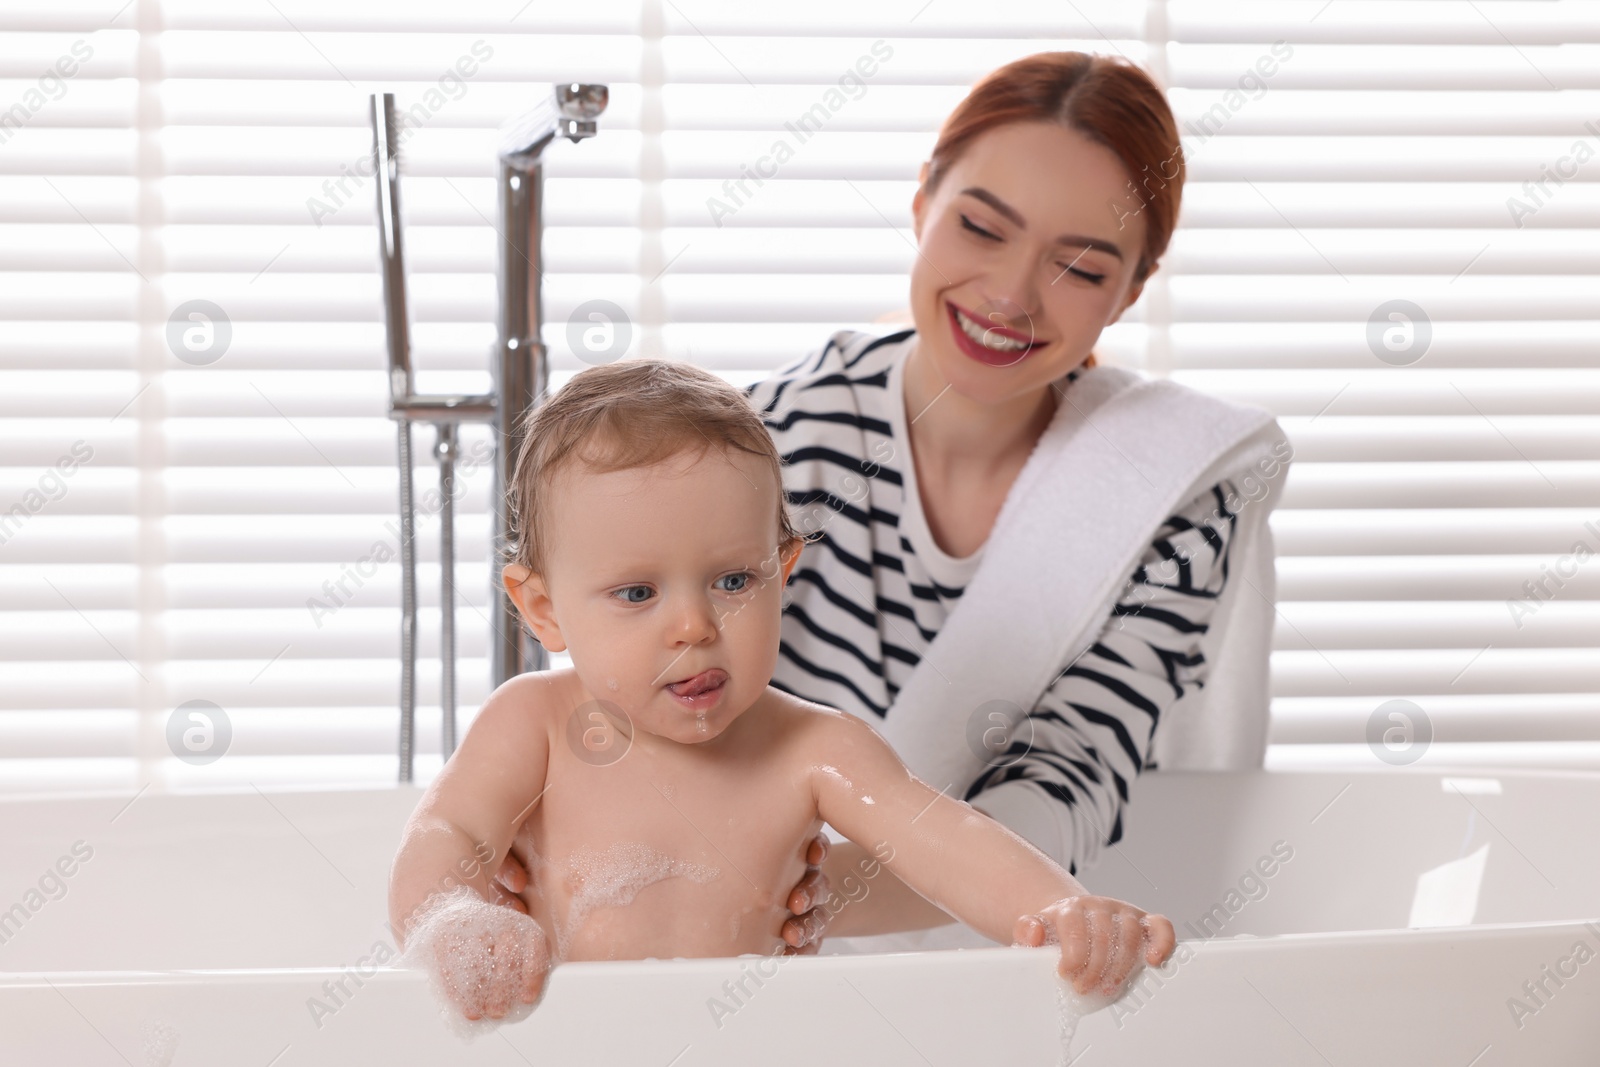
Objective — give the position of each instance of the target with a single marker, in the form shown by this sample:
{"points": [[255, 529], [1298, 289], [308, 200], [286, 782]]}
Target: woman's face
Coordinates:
{"points": [[1033, 235]]}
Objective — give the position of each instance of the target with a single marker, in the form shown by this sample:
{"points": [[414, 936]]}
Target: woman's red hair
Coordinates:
{"points": [[1108, 99]]}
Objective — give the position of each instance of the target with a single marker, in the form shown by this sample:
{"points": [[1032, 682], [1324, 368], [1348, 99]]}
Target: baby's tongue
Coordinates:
{"points": [[698, 684]]}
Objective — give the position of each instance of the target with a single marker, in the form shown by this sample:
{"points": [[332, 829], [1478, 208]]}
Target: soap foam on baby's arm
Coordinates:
{"points": [[455, 839], [489, 961]]}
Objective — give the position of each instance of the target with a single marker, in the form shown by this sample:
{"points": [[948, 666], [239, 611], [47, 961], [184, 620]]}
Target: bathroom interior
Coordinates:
{"points": [[278, 280]]}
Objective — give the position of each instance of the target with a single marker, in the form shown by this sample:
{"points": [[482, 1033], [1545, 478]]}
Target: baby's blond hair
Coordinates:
{"points": [[625, 415]]}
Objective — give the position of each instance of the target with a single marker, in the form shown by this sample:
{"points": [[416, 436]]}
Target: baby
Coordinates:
{"points": [[660, 793]]}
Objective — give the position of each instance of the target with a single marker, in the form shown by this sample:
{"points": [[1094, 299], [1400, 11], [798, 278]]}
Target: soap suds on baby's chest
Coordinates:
{"points": [[613, 877]]}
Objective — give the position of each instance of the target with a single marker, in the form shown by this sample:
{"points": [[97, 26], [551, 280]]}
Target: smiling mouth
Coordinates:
{"points": [[990, 337]]}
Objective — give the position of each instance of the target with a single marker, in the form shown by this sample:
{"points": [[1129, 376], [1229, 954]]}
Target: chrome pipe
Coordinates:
{"points": [[521, 373], [397, 334], [408, 608], [445, 408], [445, 450], [521, 378], [522, 366]]}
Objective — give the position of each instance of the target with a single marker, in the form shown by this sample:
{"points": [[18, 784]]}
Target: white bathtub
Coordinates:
{"points": [[218, 928]]}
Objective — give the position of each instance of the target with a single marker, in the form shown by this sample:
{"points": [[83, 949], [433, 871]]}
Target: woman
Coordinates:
{"points": [[1033, 236], [906, 447]]}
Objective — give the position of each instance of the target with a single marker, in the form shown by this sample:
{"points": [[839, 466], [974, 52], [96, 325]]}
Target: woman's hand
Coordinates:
{"points": [[1101, 939], [803, 932]]}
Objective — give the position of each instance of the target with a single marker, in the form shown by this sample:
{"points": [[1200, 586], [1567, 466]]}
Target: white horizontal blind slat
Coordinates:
{"points": [[1434, 533], [211, 148]]}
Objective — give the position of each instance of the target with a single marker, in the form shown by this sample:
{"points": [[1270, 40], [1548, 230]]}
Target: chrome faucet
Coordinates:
{"points": [[521, 378]]}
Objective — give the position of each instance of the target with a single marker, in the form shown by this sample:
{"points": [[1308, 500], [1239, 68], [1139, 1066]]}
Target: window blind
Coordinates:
{"points": [[198, 490], [1389, 241]]}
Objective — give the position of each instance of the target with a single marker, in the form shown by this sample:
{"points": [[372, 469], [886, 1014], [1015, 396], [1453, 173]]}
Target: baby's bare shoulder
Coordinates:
{"points": [[501, 764], [820, 731], [518, 714], [796, 714]]}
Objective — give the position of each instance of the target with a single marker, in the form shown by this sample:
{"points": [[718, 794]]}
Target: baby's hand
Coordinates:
{"points": [[1101, 940], [484, 957]]}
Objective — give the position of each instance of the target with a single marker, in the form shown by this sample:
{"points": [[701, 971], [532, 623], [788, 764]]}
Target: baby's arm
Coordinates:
{"points": [[972, 866], [485, 955]]}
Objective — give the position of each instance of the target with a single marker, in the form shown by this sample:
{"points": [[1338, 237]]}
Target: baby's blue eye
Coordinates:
{"points": [[743, 576], [622, 594]]}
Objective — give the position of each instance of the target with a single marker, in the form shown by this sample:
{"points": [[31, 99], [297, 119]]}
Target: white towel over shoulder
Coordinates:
{"points": [[1122, 453]]}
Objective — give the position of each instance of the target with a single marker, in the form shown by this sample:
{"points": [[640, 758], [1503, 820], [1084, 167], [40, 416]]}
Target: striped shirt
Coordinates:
{"points": [[868, 595]]}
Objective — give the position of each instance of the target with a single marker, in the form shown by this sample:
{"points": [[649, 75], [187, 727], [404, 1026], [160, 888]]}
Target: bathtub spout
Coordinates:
{"points": [[521, 376], [522, 365]]}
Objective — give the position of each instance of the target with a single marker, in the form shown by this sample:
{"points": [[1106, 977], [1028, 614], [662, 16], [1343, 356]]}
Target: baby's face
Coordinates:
{"points": [[663, 575]]}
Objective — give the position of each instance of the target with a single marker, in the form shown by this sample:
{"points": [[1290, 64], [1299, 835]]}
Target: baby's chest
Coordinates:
{"points": [[625, 841], [688, 867]]}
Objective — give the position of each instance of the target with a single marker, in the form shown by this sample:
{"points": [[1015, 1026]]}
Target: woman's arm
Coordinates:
{"points": [[1063, 784]]}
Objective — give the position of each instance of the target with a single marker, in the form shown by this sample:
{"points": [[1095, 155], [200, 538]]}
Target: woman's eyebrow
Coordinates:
{"points": [[1016, 219]]}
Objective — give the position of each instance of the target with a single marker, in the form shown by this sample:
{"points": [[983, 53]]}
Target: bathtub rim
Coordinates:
{"points": [[194, 791], [717, 964]]}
